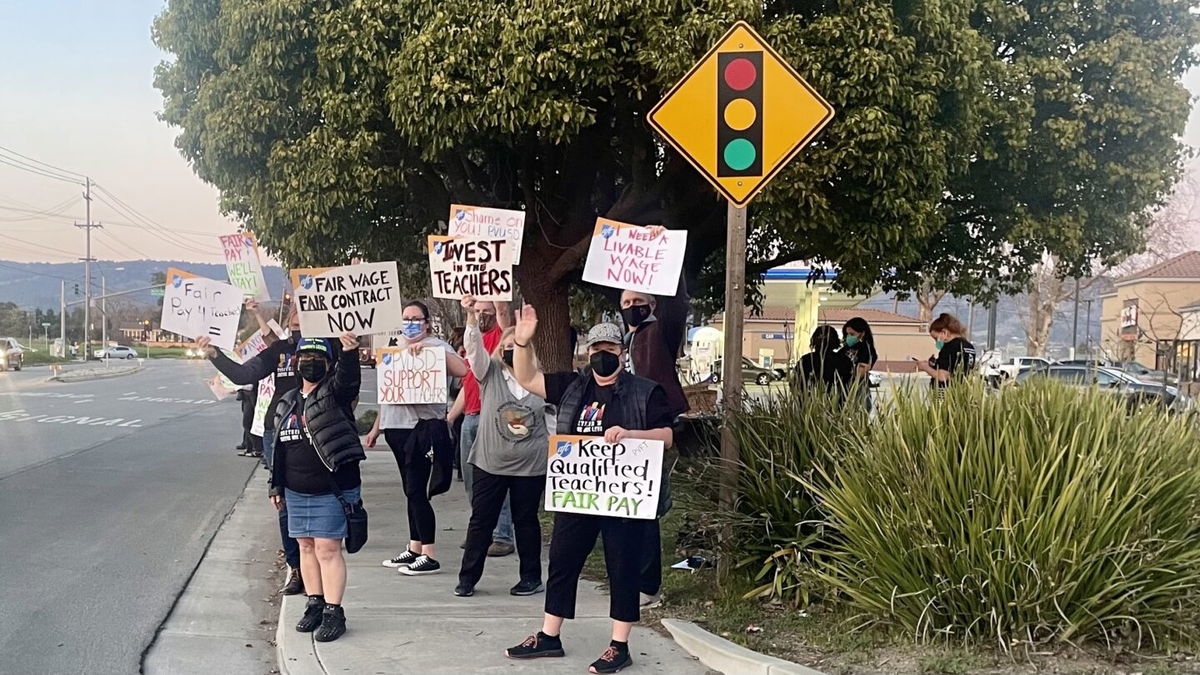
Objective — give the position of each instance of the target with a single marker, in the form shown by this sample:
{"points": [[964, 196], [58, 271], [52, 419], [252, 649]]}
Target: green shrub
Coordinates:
{"points": [[1040, 514]]}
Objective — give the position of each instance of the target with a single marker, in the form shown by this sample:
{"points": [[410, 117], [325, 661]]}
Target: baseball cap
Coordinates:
{"points": [[314, 345], [604, 332]]}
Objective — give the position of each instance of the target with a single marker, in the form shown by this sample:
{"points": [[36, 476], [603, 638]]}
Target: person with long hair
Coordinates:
{"points": [[824, 366], [419, 438], [956, 355], [859, 349], [507, 460]]}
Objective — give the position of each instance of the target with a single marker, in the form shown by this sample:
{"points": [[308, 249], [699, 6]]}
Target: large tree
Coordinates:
{"points": [[347, 127]]}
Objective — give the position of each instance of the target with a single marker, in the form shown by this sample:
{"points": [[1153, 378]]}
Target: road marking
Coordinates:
{"points": [[22, 416], [161, 399], [50, 394]]}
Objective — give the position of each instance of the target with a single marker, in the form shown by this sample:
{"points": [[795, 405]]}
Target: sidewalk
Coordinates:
{"points": [[399, 624]]}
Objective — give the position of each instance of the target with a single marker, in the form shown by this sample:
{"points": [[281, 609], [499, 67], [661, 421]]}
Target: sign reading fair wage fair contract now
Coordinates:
{"points": [[197, 307], [403, 378], [477, 222], [360, 299], [244, 265], [587, 475], [628, 257], [460, 266]]}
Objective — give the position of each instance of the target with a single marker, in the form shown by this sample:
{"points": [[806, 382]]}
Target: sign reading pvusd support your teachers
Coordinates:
{"points": [[404, 379], [630, 257], [587, 475], [361, 299]]}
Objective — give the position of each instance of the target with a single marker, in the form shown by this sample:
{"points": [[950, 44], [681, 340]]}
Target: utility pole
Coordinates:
{"points": [[1088, 327], [103, 312], [991, 330], [971, 321], [731, 366], [87, 268], [1075, 322], [62, 316]]}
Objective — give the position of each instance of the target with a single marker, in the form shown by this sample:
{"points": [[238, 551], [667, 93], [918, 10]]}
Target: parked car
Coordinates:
{"points": [[117, 352], [1134, 391], [1143, 373], [751, 372], [193, 353], [12, 354]]}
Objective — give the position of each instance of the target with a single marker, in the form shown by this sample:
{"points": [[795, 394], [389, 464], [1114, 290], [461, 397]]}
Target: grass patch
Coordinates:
{"points": [[41, 358]]}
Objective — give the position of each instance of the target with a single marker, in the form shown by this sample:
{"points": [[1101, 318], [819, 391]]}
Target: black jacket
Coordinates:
{"points": [[329, 415]]}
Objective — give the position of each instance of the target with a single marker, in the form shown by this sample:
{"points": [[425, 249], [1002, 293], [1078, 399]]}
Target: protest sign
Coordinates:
{"points": [[477, 222], [403, 378], [478, 267], [392, 338], [360, 299], [197, 307], [587, 475], [262, 405], [299, 275], [221, 387], [244, 265], [627, 257]]}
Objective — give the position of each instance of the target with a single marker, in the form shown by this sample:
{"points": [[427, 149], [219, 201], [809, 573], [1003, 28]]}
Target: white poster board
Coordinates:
{"points": [[477, 222], [262, 405], [360, 299], [478, 267], [630, 257], [404, 379], [196, 307], [586, 475], [243, 263]]}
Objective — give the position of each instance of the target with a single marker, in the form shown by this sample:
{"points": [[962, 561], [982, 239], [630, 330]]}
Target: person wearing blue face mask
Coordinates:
{"points": [[419, 438], [956, 355]]}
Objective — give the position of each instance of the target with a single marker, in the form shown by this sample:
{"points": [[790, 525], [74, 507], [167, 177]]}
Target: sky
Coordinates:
{"points": [[76, 92]]}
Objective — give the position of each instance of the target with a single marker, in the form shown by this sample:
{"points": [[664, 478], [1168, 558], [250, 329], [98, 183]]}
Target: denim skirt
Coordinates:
{"points": [[317, 516]]}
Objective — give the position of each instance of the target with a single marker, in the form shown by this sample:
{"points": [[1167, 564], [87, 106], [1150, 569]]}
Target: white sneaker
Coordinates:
{"points": [[403, 560]]}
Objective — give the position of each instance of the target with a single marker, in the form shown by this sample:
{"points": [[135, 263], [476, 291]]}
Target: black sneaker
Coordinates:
{"points": [[536, 646], [526, 588], [464, 590], [294, 585], [333, 624], [615, 658], [312, 614], [422, 565], [403, 560]]}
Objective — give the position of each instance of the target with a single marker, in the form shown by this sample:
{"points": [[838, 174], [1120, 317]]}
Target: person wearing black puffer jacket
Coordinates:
{"points": [[314, 468]]}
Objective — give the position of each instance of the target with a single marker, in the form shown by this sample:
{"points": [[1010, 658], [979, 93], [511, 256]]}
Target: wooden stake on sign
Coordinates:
{"points": [[731, 371]]}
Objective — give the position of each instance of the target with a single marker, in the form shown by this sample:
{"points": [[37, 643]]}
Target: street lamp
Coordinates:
{"points": [[46, 332]]}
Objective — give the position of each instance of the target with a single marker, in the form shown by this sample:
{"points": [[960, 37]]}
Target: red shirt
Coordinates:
{"points": [[472, 405]]}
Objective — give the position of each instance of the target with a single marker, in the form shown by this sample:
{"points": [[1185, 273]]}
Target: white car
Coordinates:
{"points": [[118, 352]]}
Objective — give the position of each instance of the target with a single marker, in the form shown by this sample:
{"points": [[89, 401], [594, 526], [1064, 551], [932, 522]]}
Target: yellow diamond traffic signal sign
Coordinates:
{"points": [[740, 114]]}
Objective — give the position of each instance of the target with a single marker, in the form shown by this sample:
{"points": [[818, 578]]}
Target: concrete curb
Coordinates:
{"points": [[721, 654], [95, 374], [295, 652]]}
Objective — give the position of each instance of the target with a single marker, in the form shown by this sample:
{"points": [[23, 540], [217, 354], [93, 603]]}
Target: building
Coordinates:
{"points": [[1150, 316]]}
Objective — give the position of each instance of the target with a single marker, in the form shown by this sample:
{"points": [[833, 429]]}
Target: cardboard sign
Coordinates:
{"points": [[196, 307], [627, 257], [360, 299], [244, 265], [404, 379], [477, 222], [478, 267], [221, 387], [586, 475], [392, 338], [299, 275], [262, 405]]}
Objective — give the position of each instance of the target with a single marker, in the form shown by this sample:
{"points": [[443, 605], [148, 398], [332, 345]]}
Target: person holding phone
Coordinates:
{"points": [[956, 355]]}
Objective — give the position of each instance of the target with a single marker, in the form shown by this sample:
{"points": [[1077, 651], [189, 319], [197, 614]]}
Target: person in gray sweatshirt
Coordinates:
{"points": [[508, 459]]}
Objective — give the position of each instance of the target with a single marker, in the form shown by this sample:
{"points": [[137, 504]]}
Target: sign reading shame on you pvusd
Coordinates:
{"points": [[480, 267], [404, 378], [587, 475], [361, 299]]}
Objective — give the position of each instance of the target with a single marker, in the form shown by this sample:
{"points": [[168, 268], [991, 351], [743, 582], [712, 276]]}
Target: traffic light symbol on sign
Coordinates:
{"points": [[739, 114]]}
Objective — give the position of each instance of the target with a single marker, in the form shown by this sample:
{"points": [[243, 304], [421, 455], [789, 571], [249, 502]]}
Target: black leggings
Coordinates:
{"points": [[572, 541], [414, 475], [487, 497]]}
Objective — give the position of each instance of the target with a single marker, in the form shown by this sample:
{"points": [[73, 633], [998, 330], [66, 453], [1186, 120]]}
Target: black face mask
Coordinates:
{"points": [[313, 371], [636, 314], [604, 363], [507, 357]]}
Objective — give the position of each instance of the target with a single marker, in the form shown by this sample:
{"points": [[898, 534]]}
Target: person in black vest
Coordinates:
{"points": [[314, 468], [825, 366], [955, 359], [601, 399]]}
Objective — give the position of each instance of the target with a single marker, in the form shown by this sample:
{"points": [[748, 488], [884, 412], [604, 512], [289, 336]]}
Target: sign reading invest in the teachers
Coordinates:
{"points": [[587, 475], [361, 299], [196, 307]]}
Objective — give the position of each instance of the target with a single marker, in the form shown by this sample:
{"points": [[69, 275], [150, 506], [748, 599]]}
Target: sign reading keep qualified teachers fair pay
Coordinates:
{"points": [[586, 475]]}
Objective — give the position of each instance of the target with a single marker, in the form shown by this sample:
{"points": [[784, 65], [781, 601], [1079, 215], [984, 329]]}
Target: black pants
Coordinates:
{"points": [[573, 540], [414, 475], [651, 579], [249, 401], [487, 496]]}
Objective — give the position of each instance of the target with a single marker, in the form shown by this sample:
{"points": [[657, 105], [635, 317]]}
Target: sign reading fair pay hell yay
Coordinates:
{"points": [[360, 299], [586, 475], [629, 257], [404, 378]]}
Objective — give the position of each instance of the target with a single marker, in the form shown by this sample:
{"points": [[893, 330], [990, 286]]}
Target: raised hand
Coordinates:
{"points": [[349, 341], [526, 327], [205, 345], [251, 304]]}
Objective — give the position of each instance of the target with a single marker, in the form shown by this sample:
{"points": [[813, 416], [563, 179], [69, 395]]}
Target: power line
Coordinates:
{"points": [[45, 174], [51, 166], [42, 246], [150, 222], [36, 273]]}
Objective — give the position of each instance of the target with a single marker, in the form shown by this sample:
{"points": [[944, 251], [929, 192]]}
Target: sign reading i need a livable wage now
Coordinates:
{"points": [[361, 299], [197, 307], [587, 475], [631, 257], [404, 378]]}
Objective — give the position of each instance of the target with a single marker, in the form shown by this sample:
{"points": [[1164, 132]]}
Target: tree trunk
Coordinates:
{"points": [[552, 343]]}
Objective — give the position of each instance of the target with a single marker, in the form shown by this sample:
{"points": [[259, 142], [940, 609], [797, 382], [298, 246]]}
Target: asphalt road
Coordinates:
{"points": [[110, 491]]}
